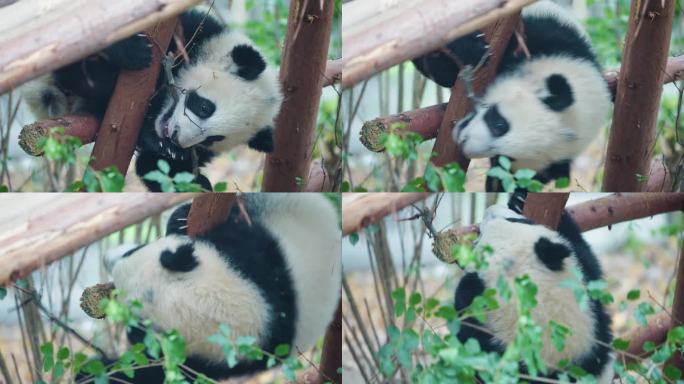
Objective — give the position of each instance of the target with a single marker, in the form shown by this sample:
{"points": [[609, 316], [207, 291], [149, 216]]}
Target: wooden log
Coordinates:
{"points": [[66, 224], [331, 358], [360, 210], [208, 210], [637, 102], [333, 72], [306, 49], [426, 121], [412, 29], [319, 179], [81, 126], [545, 208], [655, 331], [446, 150], [624, 207], [121, 124], [32, 46]]}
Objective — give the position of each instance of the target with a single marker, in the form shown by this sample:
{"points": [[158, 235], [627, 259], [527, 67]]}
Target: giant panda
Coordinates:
{"points": [[516, 246], [541, 111], [228, 96], [275, 276]]}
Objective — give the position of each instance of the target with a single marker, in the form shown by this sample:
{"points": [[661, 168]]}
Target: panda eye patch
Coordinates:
{"points": [[466, 120], [200, 106], [182, 260], [496, 123]]}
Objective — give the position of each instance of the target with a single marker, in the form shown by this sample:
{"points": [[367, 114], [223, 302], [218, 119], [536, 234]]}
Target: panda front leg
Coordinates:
{"points": [[470, 287], [151, 149], [443, 65], [132, 53]]}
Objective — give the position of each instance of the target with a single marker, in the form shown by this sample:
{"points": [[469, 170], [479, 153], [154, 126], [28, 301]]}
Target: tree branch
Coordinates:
{"points": [[61, 28], [545, 208], [81, 126], [638, 99], [71, 222], [360, 210], [412, 29], [118, 134], [208, 210], [303, 63]]}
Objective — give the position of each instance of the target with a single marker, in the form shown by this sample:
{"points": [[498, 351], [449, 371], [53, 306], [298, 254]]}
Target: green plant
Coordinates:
{"points": [[180, 182], [520, 179]]}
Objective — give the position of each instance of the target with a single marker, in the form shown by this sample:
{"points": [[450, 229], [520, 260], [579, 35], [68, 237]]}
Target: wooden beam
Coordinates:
{"points": [[411, 29], [360, 210], [61, 227], [32, 46], [545, 208], [208, 210]]}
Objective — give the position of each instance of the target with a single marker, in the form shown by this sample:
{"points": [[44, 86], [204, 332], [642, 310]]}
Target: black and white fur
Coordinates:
{"points": [[541, 111], [228, 96], [521, 247], [276, 278]]}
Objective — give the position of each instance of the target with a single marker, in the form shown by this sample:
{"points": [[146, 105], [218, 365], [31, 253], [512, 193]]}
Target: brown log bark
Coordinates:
{"points": [[333, 72], [209, 210], [624, 207], [81, 126], [678, 308], [655, 331], [360, 210], [306, 49], [638, 98], [319, 179], [413, 29], [68, 224], [331, 358], [498, 35], [37, 45], [426, 121], [545, 208], [121, 124]]}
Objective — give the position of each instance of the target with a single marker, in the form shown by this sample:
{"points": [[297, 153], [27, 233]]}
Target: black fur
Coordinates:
{"points": [[256, 255], [561, 96], [133, 53], [263, 140], [181, 260], [249, 61], [497, 124], [552, 256], [200, 106]]}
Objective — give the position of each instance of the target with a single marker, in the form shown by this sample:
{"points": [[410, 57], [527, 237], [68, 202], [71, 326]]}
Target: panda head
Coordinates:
{"points": [[228, 97], [187, 285], [520, 116]]}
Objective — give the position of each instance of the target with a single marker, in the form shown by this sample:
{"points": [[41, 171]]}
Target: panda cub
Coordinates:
{"points": [[520, 247], [267, 278], [541, 111], [227, 96]]}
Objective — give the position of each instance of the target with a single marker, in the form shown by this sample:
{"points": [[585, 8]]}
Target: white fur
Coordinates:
{"points": [[305, 225], [32, 93], [539, 136], [513, 256], [195, 302], [242, 107]]}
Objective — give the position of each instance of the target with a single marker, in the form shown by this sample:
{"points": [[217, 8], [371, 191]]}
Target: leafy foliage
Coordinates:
{"points": [[180, 182]]}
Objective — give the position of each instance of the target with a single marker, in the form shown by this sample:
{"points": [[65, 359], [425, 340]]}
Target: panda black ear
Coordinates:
{"points": [[551, 254], [248, 60], [263, 140], [561, 96]]}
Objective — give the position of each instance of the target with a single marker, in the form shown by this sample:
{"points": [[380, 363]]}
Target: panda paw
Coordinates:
{"points": [[133, 53]]}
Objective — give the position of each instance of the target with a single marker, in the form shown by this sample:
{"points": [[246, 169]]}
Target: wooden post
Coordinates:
{"points": [[121, 124], [459, 105], [209, 210], [545, 208], [331, 358], [632, 135], [301, 74]]}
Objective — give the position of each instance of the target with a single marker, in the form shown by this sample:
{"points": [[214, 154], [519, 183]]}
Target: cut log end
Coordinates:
{"points": [[93, 296], [29, 138], [445, 242], [371, 132]]}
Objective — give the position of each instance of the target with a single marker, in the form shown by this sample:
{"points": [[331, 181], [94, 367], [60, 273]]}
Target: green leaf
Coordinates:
{"points": [[620, 344], [505, 163], [221, 187], [672, 372], [282, 350], [354, 238], [676, 335], [345, 186], [432, 178], [4, 188], [47, 350], [524, 174], [562, 182], [3, 292], [399, 298], [164, 166], [634, 294]]}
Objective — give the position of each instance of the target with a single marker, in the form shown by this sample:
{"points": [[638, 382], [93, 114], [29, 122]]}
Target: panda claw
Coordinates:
{"points": [[480, 35]]}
